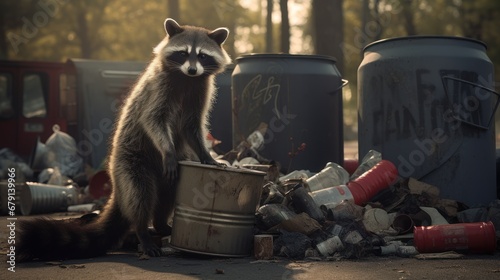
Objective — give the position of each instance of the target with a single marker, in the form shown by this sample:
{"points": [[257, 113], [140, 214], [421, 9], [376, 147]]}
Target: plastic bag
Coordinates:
{"points": [[56, 178], [63, 153]]}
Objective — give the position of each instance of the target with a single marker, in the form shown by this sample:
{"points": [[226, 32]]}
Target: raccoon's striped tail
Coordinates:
{"points": [[45, 239]]}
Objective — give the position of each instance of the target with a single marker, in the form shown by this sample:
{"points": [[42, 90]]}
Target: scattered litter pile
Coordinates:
{"points": [[363, 209], [55, 178], [352, 212], [335, 214]]}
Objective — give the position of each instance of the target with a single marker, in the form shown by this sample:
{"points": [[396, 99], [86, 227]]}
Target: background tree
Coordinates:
{"points": [[12, 19], [407, 12], [269, 26], [174, 10], [285, 27], [89, 18], [328, 22], [371, 19]]}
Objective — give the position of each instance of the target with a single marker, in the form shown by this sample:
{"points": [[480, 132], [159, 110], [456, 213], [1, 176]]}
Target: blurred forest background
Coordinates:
{"points": [[54, 30]]}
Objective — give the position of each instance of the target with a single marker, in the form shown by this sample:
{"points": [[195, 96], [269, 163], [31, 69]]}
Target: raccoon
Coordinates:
{"points": [[162, 121]]}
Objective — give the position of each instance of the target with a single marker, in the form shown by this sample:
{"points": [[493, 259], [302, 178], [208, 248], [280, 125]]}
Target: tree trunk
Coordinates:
{"points": [[328, 29], [408, 18], [376, 13], [3, 37], [285, 27], [365, 13], [11, 13], [83, 34], [269, 26], [174, 10], [365, 18]]}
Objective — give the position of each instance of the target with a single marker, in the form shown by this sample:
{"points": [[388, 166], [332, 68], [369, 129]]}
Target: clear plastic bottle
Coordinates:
{"points": [[332, 175], [360, 190], [369, 160], [332, 196], [296, 174]]}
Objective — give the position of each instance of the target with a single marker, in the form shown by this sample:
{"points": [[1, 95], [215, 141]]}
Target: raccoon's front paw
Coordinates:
{"points": [[170, 168], [151, 250]]}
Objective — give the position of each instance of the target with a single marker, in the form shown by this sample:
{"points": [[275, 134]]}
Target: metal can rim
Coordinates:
{"points": [[286, 56], [221, 168]]}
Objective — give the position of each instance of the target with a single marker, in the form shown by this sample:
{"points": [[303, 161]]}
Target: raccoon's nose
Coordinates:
{"points": [[192, 70]]}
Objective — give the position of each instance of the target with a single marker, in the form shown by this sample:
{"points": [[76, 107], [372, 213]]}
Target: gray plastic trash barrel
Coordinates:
{"points": [[298, 98], [426, 104]]}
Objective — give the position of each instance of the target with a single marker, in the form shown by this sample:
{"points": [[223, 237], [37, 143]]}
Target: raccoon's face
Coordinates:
{"points": [[194, 51], [194, 61]]}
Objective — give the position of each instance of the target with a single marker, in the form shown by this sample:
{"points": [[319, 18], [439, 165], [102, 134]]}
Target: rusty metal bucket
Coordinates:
{"points": [[215, 209]]}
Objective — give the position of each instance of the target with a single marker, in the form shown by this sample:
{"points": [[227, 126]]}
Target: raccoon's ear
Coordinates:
{"points": [[219, 35], [172, 27]]}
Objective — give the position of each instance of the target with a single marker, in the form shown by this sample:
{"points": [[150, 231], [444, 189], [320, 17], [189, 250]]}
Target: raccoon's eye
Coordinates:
{"points": [[183, 53], [202, 56]]}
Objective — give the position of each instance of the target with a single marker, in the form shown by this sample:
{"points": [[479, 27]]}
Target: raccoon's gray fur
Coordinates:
{"points": [[161, 122]]}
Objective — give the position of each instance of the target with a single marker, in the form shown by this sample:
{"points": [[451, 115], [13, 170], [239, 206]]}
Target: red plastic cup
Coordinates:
{"points": [[471, 237], [379, 177], [350, 165]]}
